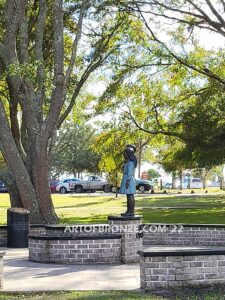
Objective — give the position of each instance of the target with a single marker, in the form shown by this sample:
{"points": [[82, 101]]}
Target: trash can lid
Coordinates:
{"points": [[19, 210]]}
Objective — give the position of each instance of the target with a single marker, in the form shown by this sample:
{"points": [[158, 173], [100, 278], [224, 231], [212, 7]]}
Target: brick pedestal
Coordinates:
{"points": [[128, 228]]}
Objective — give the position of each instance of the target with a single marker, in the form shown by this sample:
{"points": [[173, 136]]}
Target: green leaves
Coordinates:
{"points": [[24, 70], [72, 151]]}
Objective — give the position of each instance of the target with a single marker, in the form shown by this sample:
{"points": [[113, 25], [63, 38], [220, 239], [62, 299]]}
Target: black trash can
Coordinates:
{"points": [[17, 227]]}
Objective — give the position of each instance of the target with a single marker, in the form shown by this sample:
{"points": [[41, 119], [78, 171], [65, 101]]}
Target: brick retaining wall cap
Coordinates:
{"points": [[3, 227], [64, 226], [181, 252], [37, 225], [92, 237], [185, 225], [120, 218]]}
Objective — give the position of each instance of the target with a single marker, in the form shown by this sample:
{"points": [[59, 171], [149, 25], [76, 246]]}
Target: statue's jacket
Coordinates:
{"points": [[128, 174]]}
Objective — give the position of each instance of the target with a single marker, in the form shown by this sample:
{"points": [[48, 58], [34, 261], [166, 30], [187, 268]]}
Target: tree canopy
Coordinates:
{"points": [[175, 85]]}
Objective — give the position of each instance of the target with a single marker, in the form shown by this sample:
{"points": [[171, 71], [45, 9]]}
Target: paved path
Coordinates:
{"points": [[22, 275]]}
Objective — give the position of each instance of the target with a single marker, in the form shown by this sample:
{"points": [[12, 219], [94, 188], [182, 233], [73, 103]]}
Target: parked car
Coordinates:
{"points": [[215, 184], [141, 185], [64, 186], [53, 184], [168, 185], [91, 183], [195, 183], [144, 185], [3, 188]]}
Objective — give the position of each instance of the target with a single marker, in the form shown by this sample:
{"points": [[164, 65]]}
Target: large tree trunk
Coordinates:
{"points": [[181, 178], [173, 180], [41, 182], [16, 165], [139, 160]]}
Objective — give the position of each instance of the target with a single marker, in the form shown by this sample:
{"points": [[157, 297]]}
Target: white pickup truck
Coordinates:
{"points": [[91, 183]]}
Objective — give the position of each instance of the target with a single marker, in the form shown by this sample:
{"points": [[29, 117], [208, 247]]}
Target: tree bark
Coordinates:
{"points": [[15, 162], [139, 160], [173, 180], [41, 183], [181, 177]]}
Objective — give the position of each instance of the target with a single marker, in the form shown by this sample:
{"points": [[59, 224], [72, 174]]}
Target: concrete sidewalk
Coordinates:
{"points": [[22, 275]]}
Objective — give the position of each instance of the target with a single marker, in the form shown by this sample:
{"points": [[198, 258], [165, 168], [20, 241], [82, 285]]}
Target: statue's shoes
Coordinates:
{"points": [[124, 214], [127, 214]]}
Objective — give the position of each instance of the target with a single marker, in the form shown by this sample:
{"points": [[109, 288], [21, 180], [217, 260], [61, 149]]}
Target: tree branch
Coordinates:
{"points": [[92, 67], [14, 13], [40, 58], [204, 71], [23, 42], [57, 94], [97, 60], [214, 24], [15, 20], [156, 132], [75, 45], [13, 158], [223, 3], [214, 11]]}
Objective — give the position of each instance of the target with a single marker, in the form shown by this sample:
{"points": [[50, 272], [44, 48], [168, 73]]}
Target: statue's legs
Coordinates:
{"points": [[124, 214], [130, 206], [131, 203]]}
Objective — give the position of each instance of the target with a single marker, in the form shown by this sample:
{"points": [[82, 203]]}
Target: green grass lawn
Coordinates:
{"points": [[156, 208], [216, 293], [84, 295]]}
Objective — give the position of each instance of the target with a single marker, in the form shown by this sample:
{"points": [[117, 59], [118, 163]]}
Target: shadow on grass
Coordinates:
{"points": [[188, 216], [84, 220], [179, 201], [79, 205]]}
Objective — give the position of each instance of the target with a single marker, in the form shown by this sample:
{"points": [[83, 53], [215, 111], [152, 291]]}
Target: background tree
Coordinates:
{"points": [[153, 174], [72, 151]]}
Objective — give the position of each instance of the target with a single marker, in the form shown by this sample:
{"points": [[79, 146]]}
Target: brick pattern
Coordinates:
{"points": [[75, 251], [79, 230], [3, 236], [195, 235], [1, 272], [3, 233], [130, 243], [37, 230], [179, 271]]}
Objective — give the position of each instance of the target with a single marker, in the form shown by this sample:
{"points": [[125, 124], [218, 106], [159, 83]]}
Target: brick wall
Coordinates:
{"points": [[177, 271], [3, 236], [37, 228], [33, 230], [196, 235], [75, 250]]}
